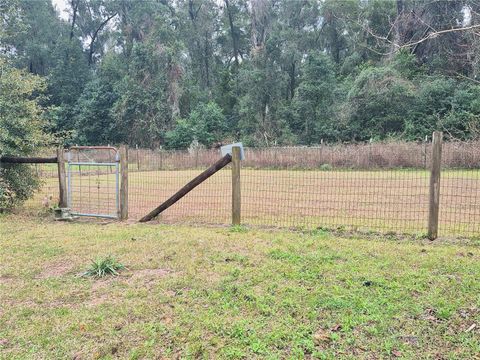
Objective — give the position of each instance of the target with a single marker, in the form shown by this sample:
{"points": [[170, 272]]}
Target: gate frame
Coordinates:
{"points": [[71, 163]]}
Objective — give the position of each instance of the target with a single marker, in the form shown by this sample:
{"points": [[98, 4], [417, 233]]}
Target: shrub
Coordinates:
{"points": [[206, 124], [21, 131]]}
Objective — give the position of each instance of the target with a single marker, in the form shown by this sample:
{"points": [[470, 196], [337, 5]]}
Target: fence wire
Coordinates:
{"points": [[381, 187], [46, 196], [460, 189], [154, 176]]}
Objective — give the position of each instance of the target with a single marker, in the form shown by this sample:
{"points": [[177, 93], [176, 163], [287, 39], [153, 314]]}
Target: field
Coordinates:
{"points": [[382, 200], [220, 292]]}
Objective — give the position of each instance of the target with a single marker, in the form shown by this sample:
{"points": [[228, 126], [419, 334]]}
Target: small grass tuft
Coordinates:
{"points": [[102, 267], [238, 229]]}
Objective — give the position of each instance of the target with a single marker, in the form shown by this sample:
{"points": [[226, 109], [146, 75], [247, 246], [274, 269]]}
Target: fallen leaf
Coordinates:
{"points": [[396, 353]]}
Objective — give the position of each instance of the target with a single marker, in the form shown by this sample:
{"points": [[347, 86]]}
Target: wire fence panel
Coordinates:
{"points": [[383, 187], [48, 194], [324, 187], [154, 176], [460, 189]]}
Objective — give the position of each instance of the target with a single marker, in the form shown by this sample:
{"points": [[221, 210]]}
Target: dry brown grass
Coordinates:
{"points": [[387, 200]]}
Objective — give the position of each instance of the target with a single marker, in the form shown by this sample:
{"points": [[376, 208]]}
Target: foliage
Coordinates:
{"points": [[102, 267], [94, 119], [314, 99], [280, 72], [206, 124], [21, 131], [379, 102]]}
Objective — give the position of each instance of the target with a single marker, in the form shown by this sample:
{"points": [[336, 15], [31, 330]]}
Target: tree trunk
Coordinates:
{"points": [[232, 32], [74, 5], [94, 37]]}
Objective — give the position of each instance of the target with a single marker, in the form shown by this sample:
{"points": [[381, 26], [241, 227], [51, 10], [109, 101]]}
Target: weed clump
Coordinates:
{"points": [[102, 267]]}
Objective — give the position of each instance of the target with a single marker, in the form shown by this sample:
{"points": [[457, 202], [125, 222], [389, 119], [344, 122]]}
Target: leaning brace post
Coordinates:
{"points": [[236, 192], [434, 201], [224, 161], [124, 182], [62, 179]]}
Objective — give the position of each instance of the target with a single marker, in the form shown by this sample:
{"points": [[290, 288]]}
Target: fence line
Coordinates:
{"points": [[379, 186]]}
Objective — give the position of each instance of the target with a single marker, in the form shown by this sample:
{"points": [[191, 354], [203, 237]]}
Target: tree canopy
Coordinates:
{"points": [[266, 72]]}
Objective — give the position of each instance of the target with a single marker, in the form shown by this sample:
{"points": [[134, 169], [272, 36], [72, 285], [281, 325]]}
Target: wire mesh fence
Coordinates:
{"points": [[47, 195], [156, 175], [381, 187], [460, 189]]}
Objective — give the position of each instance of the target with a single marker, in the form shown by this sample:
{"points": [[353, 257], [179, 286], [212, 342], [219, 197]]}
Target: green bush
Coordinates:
{"points": [[21, 131], [206, 124]]}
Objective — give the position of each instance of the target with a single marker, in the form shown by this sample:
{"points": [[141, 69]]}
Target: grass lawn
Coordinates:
{"points": [[199, 292]]}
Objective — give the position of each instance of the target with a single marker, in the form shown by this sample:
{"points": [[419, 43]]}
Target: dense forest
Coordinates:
{"points": [[266, 72]]}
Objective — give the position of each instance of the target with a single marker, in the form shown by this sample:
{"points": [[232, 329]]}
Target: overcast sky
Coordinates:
{"points": [[61, 6]]}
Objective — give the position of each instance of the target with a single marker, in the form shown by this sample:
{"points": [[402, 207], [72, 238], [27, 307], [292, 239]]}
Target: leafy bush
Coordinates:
{"points": [[206, 124], [379, 103], [21, 131]]}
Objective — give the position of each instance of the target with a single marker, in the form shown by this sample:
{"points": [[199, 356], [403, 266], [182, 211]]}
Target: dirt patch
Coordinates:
{"points": [[98, 300], [146, 277], [7, 279], [55, 269], [143, 277], [150, 273]]}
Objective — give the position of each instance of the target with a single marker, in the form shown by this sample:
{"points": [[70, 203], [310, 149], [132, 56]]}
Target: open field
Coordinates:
{"points": [[192, 292], [384, 200]]}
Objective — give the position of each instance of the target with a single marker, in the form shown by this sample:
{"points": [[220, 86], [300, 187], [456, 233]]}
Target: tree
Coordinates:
{"points": [[314, 100], [206, 124], [379, 104], [94, 119], [93, 18], [21, 131], [281, 71]]}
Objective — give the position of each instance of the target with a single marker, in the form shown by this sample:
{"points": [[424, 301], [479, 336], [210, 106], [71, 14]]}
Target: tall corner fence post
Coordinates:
{"points": [[434, 199], [124, 182], [62, 179], [236, 191]]}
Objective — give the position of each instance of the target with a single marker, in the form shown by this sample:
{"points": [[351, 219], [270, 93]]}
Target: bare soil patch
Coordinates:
{"points": [[56, 269]]}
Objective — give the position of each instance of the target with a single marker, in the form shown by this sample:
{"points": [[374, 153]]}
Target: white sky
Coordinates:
{"points": [[61, 6]]}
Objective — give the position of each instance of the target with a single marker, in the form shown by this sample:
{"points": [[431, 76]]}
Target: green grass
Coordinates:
{"points": [[194, 292]]}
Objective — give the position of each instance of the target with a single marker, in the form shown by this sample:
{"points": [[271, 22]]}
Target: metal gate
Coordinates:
{"points": [[93, 181]]}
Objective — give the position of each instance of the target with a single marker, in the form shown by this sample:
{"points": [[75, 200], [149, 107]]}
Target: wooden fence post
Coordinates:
{"points": [[434, 201], [236, 193], [124, 182], [138, 162], [62, 179]]}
